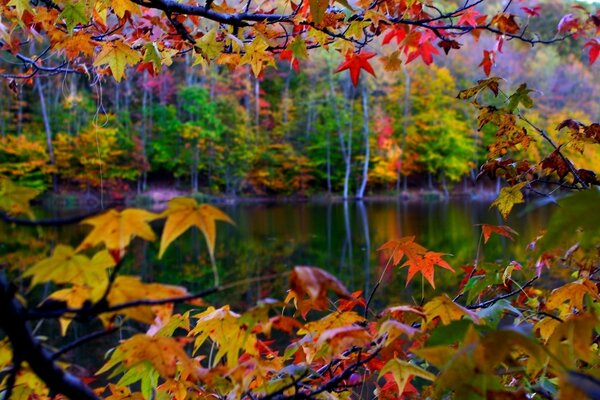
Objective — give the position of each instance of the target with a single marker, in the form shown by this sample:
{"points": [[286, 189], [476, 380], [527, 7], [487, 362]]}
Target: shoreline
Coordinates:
{"points": [[160, 196]]}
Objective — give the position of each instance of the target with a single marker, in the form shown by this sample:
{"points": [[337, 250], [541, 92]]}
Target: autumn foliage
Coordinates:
{"points": [[508, 330]]}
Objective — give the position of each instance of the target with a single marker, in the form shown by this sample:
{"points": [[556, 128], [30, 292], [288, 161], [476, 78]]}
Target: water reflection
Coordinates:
{"points": [[341, 237]]}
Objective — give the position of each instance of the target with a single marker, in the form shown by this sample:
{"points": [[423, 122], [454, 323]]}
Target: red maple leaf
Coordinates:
{"points": [[594, 45], [488, 61], [469, 17], [288, 55], [355, 62], [398, 33], [532, 11], [568, 23]]}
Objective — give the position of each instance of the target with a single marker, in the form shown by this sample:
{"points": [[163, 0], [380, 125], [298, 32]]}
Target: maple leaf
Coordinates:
{"points": [[74, 13], [469, 17], [392, 61], [509, 196], [183, 213], [116, 229], [402, 372], [166, 355], [488, 60], [503, 230], [448, 45], [257, 56], [343, 338], [572, 293], [490, 83], [21, 6], [418, 258], [331, 321], [568, 23], [577, 335], [532, 11], [318, 9], [398, 33], [77, 43], [74, 297], [14, 199], [224, 328], [425, 265], [120, 7], [209, 45], [401, 247], [354, 63], [130, 288], [117, 55], [314, 283], [594, 45], [65, 266], [506, 23], [555, 163], [446, 310]]}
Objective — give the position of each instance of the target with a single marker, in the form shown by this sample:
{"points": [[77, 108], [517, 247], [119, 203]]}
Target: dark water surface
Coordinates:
{"points": [[269, 238], [341, 237]]}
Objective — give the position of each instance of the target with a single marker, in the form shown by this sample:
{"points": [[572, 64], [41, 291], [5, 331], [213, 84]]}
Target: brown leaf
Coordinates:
{"points": [[314, 283], [556, 163], [506, 23]]}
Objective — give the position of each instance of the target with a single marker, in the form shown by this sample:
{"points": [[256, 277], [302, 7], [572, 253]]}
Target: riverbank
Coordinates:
{"points": [[155, 197]]}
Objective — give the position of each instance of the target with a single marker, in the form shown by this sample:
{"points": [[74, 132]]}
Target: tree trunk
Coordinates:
{"points": [[46, 120], [365, 175], [406, 115]]}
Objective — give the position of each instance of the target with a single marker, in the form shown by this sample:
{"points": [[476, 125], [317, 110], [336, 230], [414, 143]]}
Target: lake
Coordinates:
{"points": [[340, 237]]}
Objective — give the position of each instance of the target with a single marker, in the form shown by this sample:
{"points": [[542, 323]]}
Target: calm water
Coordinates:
{"points": [[340, 237], [269, 238]]}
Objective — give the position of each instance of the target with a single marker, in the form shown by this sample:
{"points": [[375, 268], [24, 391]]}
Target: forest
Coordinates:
{"points": [[299, 199]]}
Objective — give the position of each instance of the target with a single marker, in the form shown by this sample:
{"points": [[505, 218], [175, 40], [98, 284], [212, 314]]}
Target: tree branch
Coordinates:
{"points": [[491, 302], [29, 349]]}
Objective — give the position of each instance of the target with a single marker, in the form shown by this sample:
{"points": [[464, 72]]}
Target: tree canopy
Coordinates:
{"points": [[497, 335]]}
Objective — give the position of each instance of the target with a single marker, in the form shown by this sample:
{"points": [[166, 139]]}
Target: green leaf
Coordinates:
{"points": [[521, 96], [117, 55], [577, 220], [74, 13], [449, 334]]}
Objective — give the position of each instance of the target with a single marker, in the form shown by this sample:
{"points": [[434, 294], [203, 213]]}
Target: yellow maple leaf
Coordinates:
{"points": [[74, 297], [447, 310], [130, 288], [117, 55], [166, 355], [257, 56], [402, 371], [183, 213], [21, 6], [223, 327], [572, 293], [14, 199], [116, 229], [66, 266], [122, 6], [209, 45], [509, 196]]}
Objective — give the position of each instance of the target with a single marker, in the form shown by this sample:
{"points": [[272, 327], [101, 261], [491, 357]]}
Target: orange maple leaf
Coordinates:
{"points": [[503, 230], [424, 264]]}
